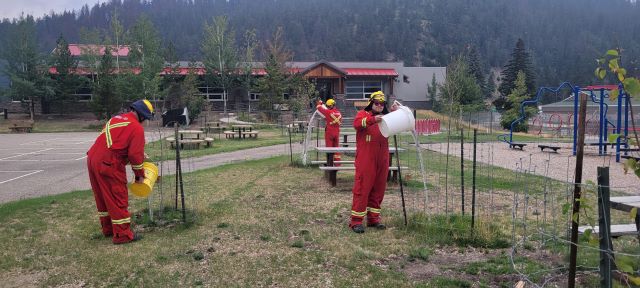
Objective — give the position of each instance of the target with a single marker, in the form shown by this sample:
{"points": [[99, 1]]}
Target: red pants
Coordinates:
{"points": [[372, 166], [332, 139], [109, 184]]}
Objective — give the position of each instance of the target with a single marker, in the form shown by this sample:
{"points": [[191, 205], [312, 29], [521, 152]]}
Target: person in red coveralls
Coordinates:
{"points": [[121, 142], [332, 128], [372, 165]]}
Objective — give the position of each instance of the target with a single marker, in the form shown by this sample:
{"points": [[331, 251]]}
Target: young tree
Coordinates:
{"points": [[518, 95], [66, 80], [248, 56], [220, 56], [460, 92], [145, 55], [520, 61], [90, 50]]}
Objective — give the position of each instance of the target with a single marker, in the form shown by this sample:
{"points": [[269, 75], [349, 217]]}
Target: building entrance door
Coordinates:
{"points": [[324, 88]]}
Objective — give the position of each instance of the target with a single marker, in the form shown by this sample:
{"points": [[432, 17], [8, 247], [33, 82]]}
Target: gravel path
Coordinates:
{"points": [[561, 165]]}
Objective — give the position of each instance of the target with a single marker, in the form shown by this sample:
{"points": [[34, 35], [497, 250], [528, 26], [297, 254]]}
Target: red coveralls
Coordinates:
{"points": [[372, 166], [332, 128], [121, 142]]}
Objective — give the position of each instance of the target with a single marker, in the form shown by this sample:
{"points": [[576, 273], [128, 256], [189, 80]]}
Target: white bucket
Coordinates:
{"points": [[397, 121], [322, 115]]}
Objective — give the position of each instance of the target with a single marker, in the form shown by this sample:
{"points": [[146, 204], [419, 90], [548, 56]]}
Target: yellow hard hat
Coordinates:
{"points": [[378, 95], [331, 102]]}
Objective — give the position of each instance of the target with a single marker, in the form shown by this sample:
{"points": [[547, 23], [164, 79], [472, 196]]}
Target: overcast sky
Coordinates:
{"points": [[38, 8]]}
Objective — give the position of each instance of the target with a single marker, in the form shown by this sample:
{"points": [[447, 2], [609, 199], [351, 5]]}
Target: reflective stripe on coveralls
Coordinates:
{"points": [[107, 130], [121, 221]]}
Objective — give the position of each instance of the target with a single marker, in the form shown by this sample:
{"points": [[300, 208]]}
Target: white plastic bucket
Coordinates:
{"points": [[322, 115], [397, 121]]}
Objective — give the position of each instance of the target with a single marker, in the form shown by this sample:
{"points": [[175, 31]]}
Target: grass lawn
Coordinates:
{"points": [[280, 225]]}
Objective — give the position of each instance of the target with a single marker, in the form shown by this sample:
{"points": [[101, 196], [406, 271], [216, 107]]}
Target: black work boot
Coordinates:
{"points": [[378, 226], [358, 228]]}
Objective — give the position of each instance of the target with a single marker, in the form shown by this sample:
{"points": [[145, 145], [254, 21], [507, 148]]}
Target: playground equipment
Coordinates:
{"points": [[522, 117], [621, 126]]}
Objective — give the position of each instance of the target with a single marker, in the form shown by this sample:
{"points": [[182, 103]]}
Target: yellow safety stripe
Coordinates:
{"points": [[121, 221], [358, 214], [336, 120], [107, 130], [137, 167], [364, 122], [103, 214], [374, 210], [368, 138]]}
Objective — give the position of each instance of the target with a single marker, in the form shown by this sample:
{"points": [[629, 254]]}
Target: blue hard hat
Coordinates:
{"points": [[144, 109]]}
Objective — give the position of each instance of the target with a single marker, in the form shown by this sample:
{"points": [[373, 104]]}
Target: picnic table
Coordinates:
{"points": [[242, 131], [191, 138], [21, 126], [190, 134], [626, 203], [331, 170]]}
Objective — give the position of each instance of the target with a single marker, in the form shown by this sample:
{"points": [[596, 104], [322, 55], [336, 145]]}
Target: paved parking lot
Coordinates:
{"points": [[36, 164]]}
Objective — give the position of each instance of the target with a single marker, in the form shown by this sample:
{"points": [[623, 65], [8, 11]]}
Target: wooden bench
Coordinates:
{"points": [[514, 145], [554, 148], [230, 134], [617, 230], [637, 158], [21, 126], [208, 141], [188, 143], [251, 134], [331, 172], [336, 162]]}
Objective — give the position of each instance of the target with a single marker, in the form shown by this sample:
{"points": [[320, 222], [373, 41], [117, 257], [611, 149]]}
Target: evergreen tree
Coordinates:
{"points": [[66, 80], [432, 94], [491, 85], [29, 83], [475, 68], [518, 95], [520, 61], [106, 102], [276, 81]]}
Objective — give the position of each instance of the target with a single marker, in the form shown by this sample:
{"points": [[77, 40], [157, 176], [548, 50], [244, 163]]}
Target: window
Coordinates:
{"points": [[253, 96], [83, 94], [362, 89], [211, 93]]}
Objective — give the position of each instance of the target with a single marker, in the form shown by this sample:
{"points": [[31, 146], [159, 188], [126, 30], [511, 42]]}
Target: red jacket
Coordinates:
{"points": [[333, 117], [123, 135]]}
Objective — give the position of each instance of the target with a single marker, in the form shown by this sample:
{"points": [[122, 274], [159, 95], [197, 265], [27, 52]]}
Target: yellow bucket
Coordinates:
{"points": [[144, 189]]}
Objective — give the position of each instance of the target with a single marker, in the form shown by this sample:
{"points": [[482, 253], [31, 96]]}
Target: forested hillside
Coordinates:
{"points": [[564, 37]]}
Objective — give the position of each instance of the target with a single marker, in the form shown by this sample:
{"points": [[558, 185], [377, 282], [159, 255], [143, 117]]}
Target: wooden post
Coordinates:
{"points": [[577, 192], [604, 223], [462, 166]]}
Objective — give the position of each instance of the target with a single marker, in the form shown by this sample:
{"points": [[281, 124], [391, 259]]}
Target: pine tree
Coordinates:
{"points": [[520, 61], [29, 83], [106, 101], [518, 95], [475, 68], [66, 80], [432, 94], [276, 81]]}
